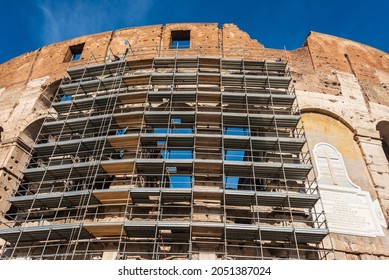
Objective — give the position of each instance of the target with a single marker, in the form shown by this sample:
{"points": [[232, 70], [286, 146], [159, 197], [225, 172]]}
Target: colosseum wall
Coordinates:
{"points": [[342, 88]]}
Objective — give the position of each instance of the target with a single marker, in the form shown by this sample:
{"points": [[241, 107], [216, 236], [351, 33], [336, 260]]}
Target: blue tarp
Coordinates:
{"points": [[165, 154], [161, 143], [160, 130], [177, 181], [181, 131], [121, 131], [173, 131], [66, 98], [176, 154], [176, 120], [181, 154], [231, 182], [234, 155], [240, 131]]}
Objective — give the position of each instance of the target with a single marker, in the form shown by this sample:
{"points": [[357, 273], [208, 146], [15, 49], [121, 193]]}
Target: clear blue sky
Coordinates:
{"points": [[27, 25]]}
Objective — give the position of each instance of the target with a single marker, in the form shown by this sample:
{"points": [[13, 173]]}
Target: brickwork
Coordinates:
{"points": [[342, 79]]}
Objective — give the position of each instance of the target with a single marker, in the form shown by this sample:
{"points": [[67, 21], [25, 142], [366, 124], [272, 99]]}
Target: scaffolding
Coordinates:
{"points": [[170, 158]]}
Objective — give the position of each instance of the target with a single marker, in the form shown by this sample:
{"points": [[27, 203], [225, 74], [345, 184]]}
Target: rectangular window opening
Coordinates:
{"points": [[76, 56], [180, 39], [74, 52]]}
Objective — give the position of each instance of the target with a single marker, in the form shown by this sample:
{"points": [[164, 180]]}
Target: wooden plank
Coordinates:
{"points": [[124, 141], [208, 96], [209, 79], [136, 80], [211, 118], [113, 167], [133, 97], [113, 197], [208, 167], [131, 121], [207, 194], [209, 141], [204, 230], [104, 229]]}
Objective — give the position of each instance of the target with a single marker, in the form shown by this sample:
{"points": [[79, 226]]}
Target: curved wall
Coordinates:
{"points": [[345, 78]]}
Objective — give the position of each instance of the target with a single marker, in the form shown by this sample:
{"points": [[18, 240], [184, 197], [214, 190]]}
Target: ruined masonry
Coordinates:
{"points": [[187, 141]]}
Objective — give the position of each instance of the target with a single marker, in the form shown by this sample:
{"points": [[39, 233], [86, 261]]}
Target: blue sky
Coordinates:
{"points": [[27, 25]]}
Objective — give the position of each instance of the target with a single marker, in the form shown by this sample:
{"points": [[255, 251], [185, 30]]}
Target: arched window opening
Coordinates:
{"points": [[30, 133], [49, 92], [383, 128]]}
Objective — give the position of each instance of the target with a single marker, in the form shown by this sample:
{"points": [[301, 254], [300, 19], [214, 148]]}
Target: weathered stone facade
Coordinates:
{"points": [[342, 88]]}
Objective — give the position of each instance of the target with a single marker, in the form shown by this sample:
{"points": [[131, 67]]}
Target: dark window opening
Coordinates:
{"points": [[383, 128], [11, 213], [74, 52], [180, 39], [385, 147]]}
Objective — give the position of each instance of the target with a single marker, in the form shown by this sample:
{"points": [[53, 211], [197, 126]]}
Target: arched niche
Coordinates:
{"points": [[49, 92], [30, 133], [332, 129], [383, 128]]}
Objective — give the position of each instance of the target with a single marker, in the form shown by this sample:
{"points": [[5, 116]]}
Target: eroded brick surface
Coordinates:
{"points": [[344, 79]]}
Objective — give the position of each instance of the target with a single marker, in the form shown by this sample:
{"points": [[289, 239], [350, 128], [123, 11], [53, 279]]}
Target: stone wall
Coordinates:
{"points": [[337, 81]]}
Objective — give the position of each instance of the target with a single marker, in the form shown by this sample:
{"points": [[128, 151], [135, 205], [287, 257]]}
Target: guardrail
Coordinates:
{"points": [[145, 52]]}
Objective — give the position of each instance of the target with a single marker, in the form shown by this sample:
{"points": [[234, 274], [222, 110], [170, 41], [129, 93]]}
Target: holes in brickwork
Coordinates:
{"points": [[180, 39]]}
